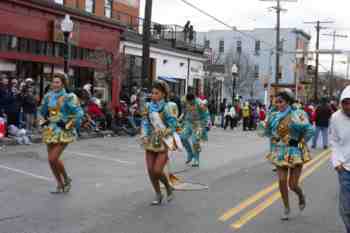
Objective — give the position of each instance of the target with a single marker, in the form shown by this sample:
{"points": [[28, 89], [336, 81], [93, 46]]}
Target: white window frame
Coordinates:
{"points": [[90, 6], [221, 42], [108, 8], [257, 47], [59, 2]]}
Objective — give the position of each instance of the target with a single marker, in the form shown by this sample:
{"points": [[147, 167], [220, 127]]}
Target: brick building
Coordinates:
{"points": [[31, 41], [122, 10]]}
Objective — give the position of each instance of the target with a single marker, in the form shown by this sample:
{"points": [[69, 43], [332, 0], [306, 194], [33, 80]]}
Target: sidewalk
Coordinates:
{"points": [[38, 139]]}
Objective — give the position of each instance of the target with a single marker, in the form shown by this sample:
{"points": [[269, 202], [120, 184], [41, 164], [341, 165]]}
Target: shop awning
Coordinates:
{"points": [[168, 79]]}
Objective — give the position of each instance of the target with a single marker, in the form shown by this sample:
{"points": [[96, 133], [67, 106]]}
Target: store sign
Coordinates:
{"points": [[216, 68], [58, 34], [7, 66]]}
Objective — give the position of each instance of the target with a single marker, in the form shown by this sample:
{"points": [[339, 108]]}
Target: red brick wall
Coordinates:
{"points": [[119, 7], [23, 19], [70, 3], [39, 25], [81, 4], [99, 8]]}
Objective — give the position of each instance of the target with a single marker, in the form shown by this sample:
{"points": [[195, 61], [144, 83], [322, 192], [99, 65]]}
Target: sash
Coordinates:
{"points": [[173, 141]]}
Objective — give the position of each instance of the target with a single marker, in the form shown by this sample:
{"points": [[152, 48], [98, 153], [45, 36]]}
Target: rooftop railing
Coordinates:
{"points": [[175, 34]]}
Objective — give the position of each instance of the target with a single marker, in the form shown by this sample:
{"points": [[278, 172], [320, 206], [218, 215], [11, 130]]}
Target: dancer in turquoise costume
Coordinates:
{"points": [[195, 120], [289, 131], [158, 128], [60, 115]]}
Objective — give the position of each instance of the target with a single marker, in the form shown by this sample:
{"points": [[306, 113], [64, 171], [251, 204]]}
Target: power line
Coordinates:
{"points": [[241, 32], [209, 15], [225, 24], [272, 46], [278, 42], [334, 35], [318, 29]]}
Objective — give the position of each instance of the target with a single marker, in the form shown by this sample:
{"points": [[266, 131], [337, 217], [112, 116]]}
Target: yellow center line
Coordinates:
{"points": [[274, 197], [256, 197]]}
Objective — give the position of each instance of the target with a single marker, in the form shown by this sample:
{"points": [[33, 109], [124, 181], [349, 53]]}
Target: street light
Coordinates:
{"points": [[234, 71], [324, 88], [67, 26]]}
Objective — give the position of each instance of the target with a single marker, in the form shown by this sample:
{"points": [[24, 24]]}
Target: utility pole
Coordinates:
{"points": [[278, 10], [318, 29], [278, 45], [146, 79], [331, 78], [347, 66]]}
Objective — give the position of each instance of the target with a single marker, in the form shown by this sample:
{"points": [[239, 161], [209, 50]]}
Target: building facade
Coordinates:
{"points": [[183, 71], [254, 53], [174, 57], [31, 41], [123, 10], [105, 46]]}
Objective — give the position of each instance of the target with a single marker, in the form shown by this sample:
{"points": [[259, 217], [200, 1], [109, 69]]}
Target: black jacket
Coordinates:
{"points": [[28, 104], [9, 102], [323, 115]]}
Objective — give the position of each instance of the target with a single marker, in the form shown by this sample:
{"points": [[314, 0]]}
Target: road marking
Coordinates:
{"points": [[256, 197], [26, 173], [101, 158], [273, 198]]}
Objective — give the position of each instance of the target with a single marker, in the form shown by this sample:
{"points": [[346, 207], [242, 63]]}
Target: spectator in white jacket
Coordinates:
{"points": [[230, 116], [340, 144]]}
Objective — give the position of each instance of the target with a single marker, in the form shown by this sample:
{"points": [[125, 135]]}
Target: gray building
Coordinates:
{"points": [[254, 52]]}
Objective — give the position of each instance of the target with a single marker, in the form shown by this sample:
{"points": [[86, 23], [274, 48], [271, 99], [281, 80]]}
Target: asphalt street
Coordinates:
{"points": [[111, 192]]}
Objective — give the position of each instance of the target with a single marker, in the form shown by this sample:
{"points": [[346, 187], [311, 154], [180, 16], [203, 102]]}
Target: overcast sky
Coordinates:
{"points": [[249, 14]]}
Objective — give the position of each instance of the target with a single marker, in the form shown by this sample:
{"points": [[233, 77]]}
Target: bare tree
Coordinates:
{"points": [[109, 66]]}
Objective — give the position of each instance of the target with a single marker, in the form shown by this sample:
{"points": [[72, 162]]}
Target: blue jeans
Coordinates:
{"points": [[344, 198], [193, 148], [324, 131], [222, 119], [132, 121]]}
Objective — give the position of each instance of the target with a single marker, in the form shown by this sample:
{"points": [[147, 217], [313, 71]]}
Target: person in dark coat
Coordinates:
{"points": [[322, 118], [4, 89], [29, 106], [223, 106], [9, 103], [213, 111]]}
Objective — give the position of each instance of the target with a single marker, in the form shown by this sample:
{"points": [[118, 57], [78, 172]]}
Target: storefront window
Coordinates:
{"points": [[32, 46], [22, 45], [58, 50], [81, 54], [49, 49], [13, 43], [38, 47], [109, 59], [2, 43], [133, 66], [73, 50], [8, 43], [86, 54], [179, 87]]}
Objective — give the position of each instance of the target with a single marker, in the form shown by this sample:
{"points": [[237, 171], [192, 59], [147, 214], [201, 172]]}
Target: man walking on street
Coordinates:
{"points": [[223, 106], [340, 142], [323, 115]]}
